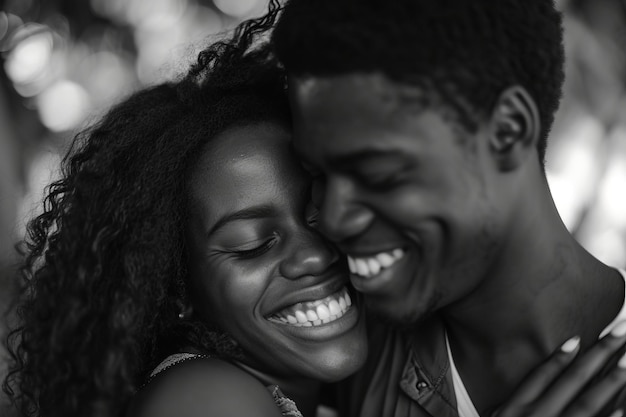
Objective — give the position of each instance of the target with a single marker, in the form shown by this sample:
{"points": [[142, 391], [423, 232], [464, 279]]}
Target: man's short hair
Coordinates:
{"points": [[465, 51]]}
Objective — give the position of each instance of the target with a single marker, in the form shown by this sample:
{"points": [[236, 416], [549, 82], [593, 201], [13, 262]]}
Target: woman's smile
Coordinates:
{"points": [[316, 312]]}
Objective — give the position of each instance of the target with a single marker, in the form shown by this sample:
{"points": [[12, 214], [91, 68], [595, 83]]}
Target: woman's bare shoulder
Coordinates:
{"points": [[202, 388]]}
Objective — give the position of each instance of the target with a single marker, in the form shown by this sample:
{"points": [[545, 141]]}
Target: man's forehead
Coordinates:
{"points": [[361, 89]]}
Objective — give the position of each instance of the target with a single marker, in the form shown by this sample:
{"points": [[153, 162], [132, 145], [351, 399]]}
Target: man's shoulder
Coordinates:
{"points": [[402, 366], [204, 387]]}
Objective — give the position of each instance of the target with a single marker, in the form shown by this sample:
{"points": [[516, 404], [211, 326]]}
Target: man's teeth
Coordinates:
{"points": [[370, 266], [315, 313]]}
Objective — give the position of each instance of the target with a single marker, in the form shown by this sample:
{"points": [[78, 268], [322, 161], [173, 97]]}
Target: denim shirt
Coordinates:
{"points": [[407, 374]]}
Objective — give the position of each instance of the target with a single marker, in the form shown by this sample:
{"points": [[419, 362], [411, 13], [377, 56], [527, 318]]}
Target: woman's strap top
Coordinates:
{"points": [[286, 405]]}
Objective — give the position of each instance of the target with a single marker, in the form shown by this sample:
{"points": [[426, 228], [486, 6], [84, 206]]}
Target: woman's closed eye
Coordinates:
{"points": [[254, 249]]}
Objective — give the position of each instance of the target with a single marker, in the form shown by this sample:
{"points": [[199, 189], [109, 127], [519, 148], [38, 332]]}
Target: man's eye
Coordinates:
{"points": [[311, 214], [381, 181], [257, 250]]}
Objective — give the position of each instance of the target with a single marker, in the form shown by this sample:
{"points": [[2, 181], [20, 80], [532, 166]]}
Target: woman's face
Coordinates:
{"points": [[259, 270]]}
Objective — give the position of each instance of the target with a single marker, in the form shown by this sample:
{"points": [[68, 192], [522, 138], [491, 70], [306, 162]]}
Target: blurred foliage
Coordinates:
{"points": [[66, 61]]}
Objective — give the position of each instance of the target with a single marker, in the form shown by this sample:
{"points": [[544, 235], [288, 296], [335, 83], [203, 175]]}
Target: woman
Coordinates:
{"points": [[176, 269], [181, 225]]}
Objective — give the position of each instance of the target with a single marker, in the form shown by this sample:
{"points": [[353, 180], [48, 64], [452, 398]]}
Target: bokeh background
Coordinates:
{"points": [[63, 62]]}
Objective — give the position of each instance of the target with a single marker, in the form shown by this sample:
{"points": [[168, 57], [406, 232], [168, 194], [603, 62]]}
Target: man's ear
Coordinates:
{"points": [[514, 128]]}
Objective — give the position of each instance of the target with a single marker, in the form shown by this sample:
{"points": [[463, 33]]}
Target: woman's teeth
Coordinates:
{"points": [[315, 313], [370, 266]]}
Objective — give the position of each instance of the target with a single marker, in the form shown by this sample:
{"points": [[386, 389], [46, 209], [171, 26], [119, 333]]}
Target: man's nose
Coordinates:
{"points": [[342, 215]]}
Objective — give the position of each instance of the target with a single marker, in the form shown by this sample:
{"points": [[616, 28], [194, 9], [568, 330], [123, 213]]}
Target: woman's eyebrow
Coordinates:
{"points": [[253, 212]]}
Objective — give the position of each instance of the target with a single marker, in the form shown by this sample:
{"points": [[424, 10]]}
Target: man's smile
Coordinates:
{"points": [[370, 266]]}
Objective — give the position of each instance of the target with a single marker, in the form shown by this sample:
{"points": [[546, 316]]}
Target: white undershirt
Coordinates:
{"points": [[465, 406]]}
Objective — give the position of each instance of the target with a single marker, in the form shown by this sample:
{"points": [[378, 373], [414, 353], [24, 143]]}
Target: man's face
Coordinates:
{"points": [[403, 190]]}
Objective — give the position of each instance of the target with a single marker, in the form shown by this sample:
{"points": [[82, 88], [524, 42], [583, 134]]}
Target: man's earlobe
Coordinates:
{"points": [[514, 129]]}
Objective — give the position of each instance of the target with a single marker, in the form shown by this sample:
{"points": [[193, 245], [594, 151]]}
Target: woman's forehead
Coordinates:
{"points": [[244, 167]]}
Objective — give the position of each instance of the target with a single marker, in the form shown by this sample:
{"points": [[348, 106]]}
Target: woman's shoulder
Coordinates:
{"points": [[203, 387]]}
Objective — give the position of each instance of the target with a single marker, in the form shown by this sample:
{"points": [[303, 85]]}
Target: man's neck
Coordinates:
{"points": [[544, 289]]}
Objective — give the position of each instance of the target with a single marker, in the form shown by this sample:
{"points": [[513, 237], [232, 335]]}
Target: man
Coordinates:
{"points": [[425, 124]]}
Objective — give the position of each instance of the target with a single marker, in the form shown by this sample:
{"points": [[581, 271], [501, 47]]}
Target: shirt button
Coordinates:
{"points": [[421, 385]]}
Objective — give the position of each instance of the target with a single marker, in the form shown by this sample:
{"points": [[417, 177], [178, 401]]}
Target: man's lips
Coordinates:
{"points": [[370, 266], [373, 274]]}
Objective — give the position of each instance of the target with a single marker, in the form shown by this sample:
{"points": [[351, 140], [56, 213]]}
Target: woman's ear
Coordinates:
{"points": [[514, 128]]}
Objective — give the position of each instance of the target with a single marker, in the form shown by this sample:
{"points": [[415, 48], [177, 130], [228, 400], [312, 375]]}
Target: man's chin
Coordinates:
{"points": [[395, 314]]}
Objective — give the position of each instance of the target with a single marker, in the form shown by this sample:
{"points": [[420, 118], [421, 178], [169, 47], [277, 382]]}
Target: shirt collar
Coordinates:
{"points": [[427, 377]]}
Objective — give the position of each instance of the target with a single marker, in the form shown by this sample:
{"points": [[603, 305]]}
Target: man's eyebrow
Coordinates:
{"points": [[254, 212]]}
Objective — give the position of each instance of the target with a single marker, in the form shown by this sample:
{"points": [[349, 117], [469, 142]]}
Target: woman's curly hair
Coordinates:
{"points": [[106, 262]]}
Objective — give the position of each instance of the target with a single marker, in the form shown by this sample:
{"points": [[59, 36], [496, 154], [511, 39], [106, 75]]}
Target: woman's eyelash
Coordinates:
{"points": [[259, 250]]}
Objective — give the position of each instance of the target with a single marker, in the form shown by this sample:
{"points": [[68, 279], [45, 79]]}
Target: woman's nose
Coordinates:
{"points": [[309, 254]]}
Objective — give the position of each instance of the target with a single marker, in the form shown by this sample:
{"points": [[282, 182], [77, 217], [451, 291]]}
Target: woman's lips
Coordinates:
{"points": [[316, 312]]}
